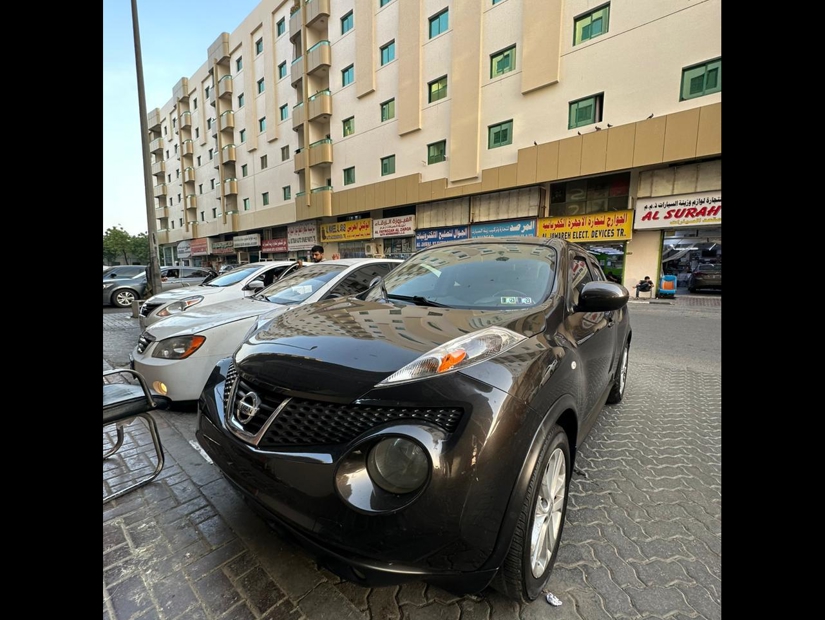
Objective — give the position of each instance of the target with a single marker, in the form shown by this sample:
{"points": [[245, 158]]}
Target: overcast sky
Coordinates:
{"points": [[174, 38]]}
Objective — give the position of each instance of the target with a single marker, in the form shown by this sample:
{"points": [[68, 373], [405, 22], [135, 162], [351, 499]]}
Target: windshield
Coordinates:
{"points": [[709, 267], [232, 277], [484, 275], [298, 285]]}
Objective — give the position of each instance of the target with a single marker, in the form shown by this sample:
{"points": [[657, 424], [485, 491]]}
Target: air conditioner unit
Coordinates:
{"points": [[370, 248]]}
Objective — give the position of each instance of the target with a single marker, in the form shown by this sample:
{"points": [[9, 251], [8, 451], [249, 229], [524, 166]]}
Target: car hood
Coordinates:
{"points": [[208, 317], [186, 291], [342, 348]]}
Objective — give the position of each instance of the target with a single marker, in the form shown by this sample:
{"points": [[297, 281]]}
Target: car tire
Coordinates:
{"points": [[617, 391], [523, 576], [124, 298], [692, 289]]}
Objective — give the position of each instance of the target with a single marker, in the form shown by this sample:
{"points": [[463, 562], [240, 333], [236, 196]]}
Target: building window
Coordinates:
{"points": [[262, 124], [197, 132], [200, 188], [287, 192], [284, 112], [284, 153], [439, 23], [212, 183], [211, 154], [388, 110], [203, 216], [264, 162], [208, 124], [282, 70], [261, 85], [265, 198], [214, 212], [281, 26], [387, 165], [242, 134], [173, 224], [169, 178], [207, 89], [167, 153], [244, 170], [240, 100], [246, 204], [349, 176], [239, 63], [348, 126], [383, 3], [387, 53], [703, 79], [437, 89], [348, 75], [593, 195], [199, 160], [346, 23], [503, 62], [194, 103], [500, 135], [259, 45], [585, 111], [496, 1], [591, 24]]}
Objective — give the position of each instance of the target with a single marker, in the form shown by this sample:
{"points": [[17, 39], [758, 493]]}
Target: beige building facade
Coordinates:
{"points": [[382, 126]]}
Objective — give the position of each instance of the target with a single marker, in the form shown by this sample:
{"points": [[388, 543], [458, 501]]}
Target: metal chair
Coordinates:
{"points": [[122, 404]]}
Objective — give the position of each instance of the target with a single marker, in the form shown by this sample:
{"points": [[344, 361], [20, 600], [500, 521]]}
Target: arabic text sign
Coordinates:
{"points": [[402, 226], [513, 228], [247, 241], [425, 238], [200, 247], [274, 245], [605, 226], [223, 247], [701, 209], [301, 236], [345, 231]]}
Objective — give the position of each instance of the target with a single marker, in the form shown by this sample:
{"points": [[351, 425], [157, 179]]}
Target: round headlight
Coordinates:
{"points": [[398, 465]]}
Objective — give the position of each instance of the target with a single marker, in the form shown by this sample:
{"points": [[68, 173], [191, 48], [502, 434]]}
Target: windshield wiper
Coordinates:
{"points": [[417, 300]]}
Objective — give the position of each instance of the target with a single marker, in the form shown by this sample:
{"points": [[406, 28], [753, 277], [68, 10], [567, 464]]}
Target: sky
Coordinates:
{"points": [[174, 38]]}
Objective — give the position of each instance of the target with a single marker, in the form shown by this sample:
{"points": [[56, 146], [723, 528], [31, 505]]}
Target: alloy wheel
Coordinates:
{"points": [[548, 514]]}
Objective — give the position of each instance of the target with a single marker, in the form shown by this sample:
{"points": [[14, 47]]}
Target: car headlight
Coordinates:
{"points": [[178, 347], [108, 285], [457, 354], [398, 465], [179, 306]]}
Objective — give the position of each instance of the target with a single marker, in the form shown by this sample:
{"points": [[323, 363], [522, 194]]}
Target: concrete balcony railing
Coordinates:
{"points": [[320, 202], [158, 168], [228, 120], [230, 187], [300, 159], [295, 22], [298, 115], [320, 106], [153, 120], [228, 154], [225, 87], [161, 213], [317, 14], [187, 147], [320, 153], [301, 202], [160, 190], [191, 201], [296, 70], [185, 120], [156, 145], [188, 175], [319, 58]]}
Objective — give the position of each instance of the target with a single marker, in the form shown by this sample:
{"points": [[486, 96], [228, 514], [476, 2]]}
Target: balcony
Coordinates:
{"points": [[158, 168], [230, 187], [320, 203], [156, 145], [319, 58], [153, 120], [187, 147], [298, 116], [317, 14], [300, 201], [185, 120], [191, 201], [219, 50], [181, 90], [160, 190], [320, 106], [225, 87], [300, 160], [228, 120], [296, 70], [188, 175], [320, 153], [295, 22], [161, 213], [228, 154]]}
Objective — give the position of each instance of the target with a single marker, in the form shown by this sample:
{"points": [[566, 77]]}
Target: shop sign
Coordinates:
{"points": [[184, 249], [701, 209], [247, 241], [426, 238], [511, 228], [610, 225], [223, 247], [301, 236], [274, 245], [199, 247], [347, 231], [403, 226]]}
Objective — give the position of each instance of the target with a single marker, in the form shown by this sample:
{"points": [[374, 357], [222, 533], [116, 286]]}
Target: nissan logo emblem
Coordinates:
{"points": [[247, 407]]}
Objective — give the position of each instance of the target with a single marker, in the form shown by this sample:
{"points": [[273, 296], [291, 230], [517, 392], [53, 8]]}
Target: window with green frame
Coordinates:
{"points": [[387, 52], [347, 75], [436, 152], [244, 171], [239, 63], [240, 100], [288, 192], [261, 85], [437, 89], [284, 109], [439, 23], [349, 176], [346, 23], [282, 70], [259, 45], [242, 135], [265, 198], [246, 204], [503, 62], [348, 126], [281, 26], [702, 79], [262, 124], [585, 111], [388, 110], [387, 165], [591, 24], [500, 134], [383, 2]]}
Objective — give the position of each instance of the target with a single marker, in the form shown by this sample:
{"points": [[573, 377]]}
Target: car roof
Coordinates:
{"points": [[358, 261]]}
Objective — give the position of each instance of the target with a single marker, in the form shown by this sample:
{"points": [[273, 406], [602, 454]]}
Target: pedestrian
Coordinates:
{"points": [[644, 286], [317, 253]]}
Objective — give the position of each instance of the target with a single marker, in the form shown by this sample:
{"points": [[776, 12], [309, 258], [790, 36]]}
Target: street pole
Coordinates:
{"points": [[153, 277]]}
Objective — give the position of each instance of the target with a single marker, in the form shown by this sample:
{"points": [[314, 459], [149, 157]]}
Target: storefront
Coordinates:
{"points": [[224, 254], [300, 237], [275, 249], [248, 248], [396, 236], [199, 252], [352, 237], [430, 236]]}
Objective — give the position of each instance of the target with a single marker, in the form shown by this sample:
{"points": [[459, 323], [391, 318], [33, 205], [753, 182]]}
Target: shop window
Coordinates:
{"points": [[607, 193]]}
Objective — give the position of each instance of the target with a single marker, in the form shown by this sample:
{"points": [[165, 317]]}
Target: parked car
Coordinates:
{"points": [[122, 289], [123, 271], [706, 275], [428, 428], [231, 285], [176, 354]]}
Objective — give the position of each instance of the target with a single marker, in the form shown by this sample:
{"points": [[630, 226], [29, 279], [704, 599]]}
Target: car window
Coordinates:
{"points": [[232, 277], [169, 273], [359, 280], [298, 285], [578, 275], [124, 271]]}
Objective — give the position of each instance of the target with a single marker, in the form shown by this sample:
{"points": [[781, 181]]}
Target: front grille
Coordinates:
{"points": [[146, 308], [303, 422], [144, 341]]}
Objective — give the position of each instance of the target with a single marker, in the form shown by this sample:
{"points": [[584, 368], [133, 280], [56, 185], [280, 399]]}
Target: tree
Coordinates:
{"points": [[116, 243], [140, 248]]}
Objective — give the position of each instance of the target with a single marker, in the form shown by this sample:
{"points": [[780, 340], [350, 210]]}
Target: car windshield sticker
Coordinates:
{"points": [[509, 301]]}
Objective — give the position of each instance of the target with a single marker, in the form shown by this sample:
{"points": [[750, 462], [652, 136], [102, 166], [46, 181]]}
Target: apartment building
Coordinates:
{"points": [[383, 126]]}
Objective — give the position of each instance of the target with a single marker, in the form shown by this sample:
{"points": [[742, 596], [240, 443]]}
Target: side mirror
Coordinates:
{"points": [[255, 285], [602, 297]]}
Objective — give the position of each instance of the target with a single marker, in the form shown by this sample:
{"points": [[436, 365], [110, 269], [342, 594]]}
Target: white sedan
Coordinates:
{"points": [[241, 281], [176, 355]]}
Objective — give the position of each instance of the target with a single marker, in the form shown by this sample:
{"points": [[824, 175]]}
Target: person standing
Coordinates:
{"points": [[317, 253]]}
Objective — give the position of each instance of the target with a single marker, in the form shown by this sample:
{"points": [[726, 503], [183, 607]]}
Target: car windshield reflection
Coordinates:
{"points": [[299, 285], [232, 277]]}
